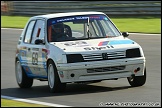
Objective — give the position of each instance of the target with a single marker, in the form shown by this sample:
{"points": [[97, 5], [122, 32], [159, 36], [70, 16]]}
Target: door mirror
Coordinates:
{"points": [[125, 34], [39, 41]]}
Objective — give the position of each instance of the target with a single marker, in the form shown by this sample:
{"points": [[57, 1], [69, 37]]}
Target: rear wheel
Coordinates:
{"points": [[135, 81], [54, 82], [22, 79]]}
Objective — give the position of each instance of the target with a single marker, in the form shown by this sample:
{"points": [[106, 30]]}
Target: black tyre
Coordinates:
{"points": [[54, 82], [22, 79], [135, 81]]}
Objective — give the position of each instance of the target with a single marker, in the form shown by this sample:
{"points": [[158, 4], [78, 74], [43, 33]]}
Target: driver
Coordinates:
{"points": [[58, 32]]}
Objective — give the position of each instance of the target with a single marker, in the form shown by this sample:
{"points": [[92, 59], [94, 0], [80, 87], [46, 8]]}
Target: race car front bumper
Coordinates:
{"points": [[101, 70]]}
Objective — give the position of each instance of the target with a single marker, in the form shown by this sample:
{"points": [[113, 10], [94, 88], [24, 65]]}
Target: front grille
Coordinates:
{"points": [[117, 54], [105, 69], [88, 57], [107, 56]]}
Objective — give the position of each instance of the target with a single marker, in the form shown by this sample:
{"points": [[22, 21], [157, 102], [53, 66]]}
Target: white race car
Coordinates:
{"points": [[76, 47]]}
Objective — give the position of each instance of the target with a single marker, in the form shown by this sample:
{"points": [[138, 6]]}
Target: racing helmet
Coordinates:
{"points": [[58, 28]]}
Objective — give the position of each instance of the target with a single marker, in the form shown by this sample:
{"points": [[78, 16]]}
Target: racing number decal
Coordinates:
{"points": [[35, 58]]}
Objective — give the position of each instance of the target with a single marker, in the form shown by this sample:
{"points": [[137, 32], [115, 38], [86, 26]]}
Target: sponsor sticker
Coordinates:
{"points": [[115, 42]]}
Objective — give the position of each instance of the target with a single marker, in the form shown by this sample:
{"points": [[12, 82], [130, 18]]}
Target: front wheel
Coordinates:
{"points": [[135, 81], [54, 82], [22, 79]]}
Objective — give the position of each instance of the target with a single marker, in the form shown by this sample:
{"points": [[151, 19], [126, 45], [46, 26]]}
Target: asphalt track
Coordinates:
{"points": [[86, 95]]}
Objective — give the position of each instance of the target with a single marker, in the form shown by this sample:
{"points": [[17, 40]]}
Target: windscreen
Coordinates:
{"points": [[80, 27]]}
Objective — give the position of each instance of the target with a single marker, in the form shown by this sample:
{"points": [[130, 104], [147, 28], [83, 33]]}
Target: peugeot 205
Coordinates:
{"points": [[76, 47]]}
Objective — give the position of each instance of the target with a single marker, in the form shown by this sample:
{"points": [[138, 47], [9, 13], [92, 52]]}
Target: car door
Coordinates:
{"points": [[25, 48], [38, 51]]}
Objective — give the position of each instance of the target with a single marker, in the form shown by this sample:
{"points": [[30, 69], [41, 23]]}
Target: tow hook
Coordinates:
{"points": [[136, 70]]}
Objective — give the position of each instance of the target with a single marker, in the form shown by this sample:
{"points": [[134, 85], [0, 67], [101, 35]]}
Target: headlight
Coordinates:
{"points": [[131, 53], [73, 58]]}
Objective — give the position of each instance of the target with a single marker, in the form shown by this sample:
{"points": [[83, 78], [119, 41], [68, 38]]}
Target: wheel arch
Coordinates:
{"points": [[50, 59]]}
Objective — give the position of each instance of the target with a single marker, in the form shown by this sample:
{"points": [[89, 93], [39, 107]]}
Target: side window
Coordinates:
{"points": [[29, 32], [38, 31]]}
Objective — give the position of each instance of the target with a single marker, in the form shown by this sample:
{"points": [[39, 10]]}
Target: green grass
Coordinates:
{"points": [[129, 24], [13, 21], [12, 103], [141, 25]]}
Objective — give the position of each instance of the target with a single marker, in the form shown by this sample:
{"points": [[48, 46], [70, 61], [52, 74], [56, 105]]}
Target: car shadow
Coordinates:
{"points": [[71, 89]]}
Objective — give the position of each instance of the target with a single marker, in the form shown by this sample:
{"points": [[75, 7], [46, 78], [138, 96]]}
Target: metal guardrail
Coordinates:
{"points": [[31, 8]]}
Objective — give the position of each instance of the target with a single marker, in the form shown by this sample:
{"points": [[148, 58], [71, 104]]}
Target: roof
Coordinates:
{"points": [[54, 15]]}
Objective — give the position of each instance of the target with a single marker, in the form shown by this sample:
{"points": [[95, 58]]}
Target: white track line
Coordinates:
{"points": [[33, 102], [12, 28], [144, 34]]}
